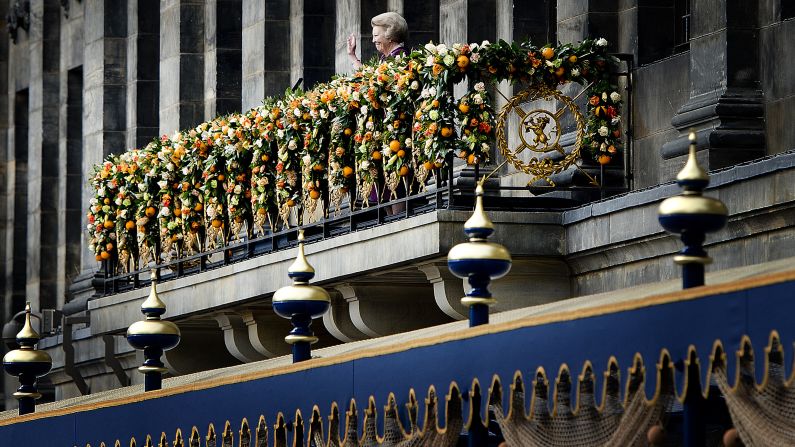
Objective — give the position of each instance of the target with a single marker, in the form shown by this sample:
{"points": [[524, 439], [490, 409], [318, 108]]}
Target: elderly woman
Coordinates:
{"points": [[389, 34]]}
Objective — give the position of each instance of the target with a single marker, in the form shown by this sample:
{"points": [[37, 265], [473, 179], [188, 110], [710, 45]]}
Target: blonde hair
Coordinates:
{"points": [[395, 27]]}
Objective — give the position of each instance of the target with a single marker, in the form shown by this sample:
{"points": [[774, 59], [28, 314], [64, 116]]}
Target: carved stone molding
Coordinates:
{"points": [[18, 17]]}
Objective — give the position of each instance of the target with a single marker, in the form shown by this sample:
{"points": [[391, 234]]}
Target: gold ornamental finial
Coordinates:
{"points": [[692, 172], [28, 334], [153, 306], [479, 218], [301, 265]]}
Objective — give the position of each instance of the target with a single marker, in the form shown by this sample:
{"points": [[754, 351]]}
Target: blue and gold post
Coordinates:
{"points": [[301, 303], [27, 363], [479, 261], [154, 336], [692, 216]]}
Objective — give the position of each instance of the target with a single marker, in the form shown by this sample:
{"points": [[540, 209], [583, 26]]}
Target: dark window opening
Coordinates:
{"points": [[787, 9], [682, 32], [74, 172], [20, 250]]}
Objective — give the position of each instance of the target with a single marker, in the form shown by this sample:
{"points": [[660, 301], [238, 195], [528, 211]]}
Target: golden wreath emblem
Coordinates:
{"points": [[539, 132]]}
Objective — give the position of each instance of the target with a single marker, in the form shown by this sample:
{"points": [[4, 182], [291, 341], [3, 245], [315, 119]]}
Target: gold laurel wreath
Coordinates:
{"points": [[545, 167]]}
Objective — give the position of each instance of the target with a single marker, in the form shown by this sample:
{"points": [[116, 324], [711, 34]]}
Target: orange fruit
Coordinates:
{"points": [[221, 177], [463, 107], [438, 164], [548, 53], [217, 223], [347, 132], [462, 61], [106, 201], [198, 207], [446, 132], [394, 145], [98, 257], [572, 58], [428, 165], [604, 159], [376, 155], [435, 103], [264, 157], [194, 227], [129, 225], [396, 123], [560, 71], [108, 224], [290, 203], [318, 167], [314, 194], [403, 171], [401, 153], [462, 154], [261, 211], [185, 186], [471, 159], [340, 151], [104, 256], [150, 211], [185, 211], [347, 171], [109, 246]]}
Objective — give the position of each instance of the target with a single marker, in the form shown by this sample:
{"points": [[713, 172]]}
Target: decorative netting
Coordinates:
{"points": [[764, 415], [394, 433], [612, 424]]}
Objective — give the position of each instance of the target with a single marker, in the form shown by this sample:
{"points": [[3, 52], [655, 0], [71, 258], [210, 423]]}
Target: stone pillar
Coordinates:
{"points": [[104, 90], [143, 72], [51, 268], [349, 21], [223, 64], [726, 105], [6, 223], [181, 64], [584, 19], [265, 49], [775, 39]]}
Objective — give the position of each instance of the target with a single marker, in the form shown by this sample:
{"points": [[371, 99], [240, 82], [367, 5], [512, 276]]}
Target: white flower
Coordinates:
{"points": [[363, 110], [307, 160], [258, 142], [430, 61], [280, 133], [485, 44], [441, 49], [117, 201], [230, 133], [601, 42], [430, 47], [305, 102], [170, 166], [478, 100], [615, 120], [603, 131], [356, 95], [365, 165], [386, 150], [297, 112], [369, 125], [428, 144], [449, 59], [164, 212], [292, 145], [415, 85], [323, 114], [484, 147], [408, 142], [474, 57], [615, 97], [162, 184], [604, 96], [238, 189], [433, 114], [473, 47], [575, 72], [384, 97], [432, 91], [185, 170], [313, 113]]}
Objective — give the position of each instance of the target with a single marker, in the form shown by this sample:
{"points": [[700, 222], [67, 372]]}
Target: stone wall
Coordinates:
{"points": [[95, 77]]}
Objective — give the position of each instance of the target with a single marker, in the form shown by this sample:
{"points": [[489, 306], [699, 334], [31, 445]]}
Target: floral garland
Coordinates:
{"points": [[391, 121]]}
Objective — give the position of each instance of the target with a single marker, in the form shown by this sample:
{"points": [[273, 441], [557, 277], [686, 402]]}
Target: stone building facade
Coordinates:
{"points": [[80, 79]]}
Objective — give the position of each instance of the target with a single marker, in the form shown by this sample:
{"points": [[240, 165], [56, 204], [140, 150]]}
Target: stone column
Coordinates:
{"points": [[775, 39], [726, 105], [349, 21], [143, 72], [265, 50], [6, 223], [223, 64], [104, 89], [51, 268], [181, 64]]}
